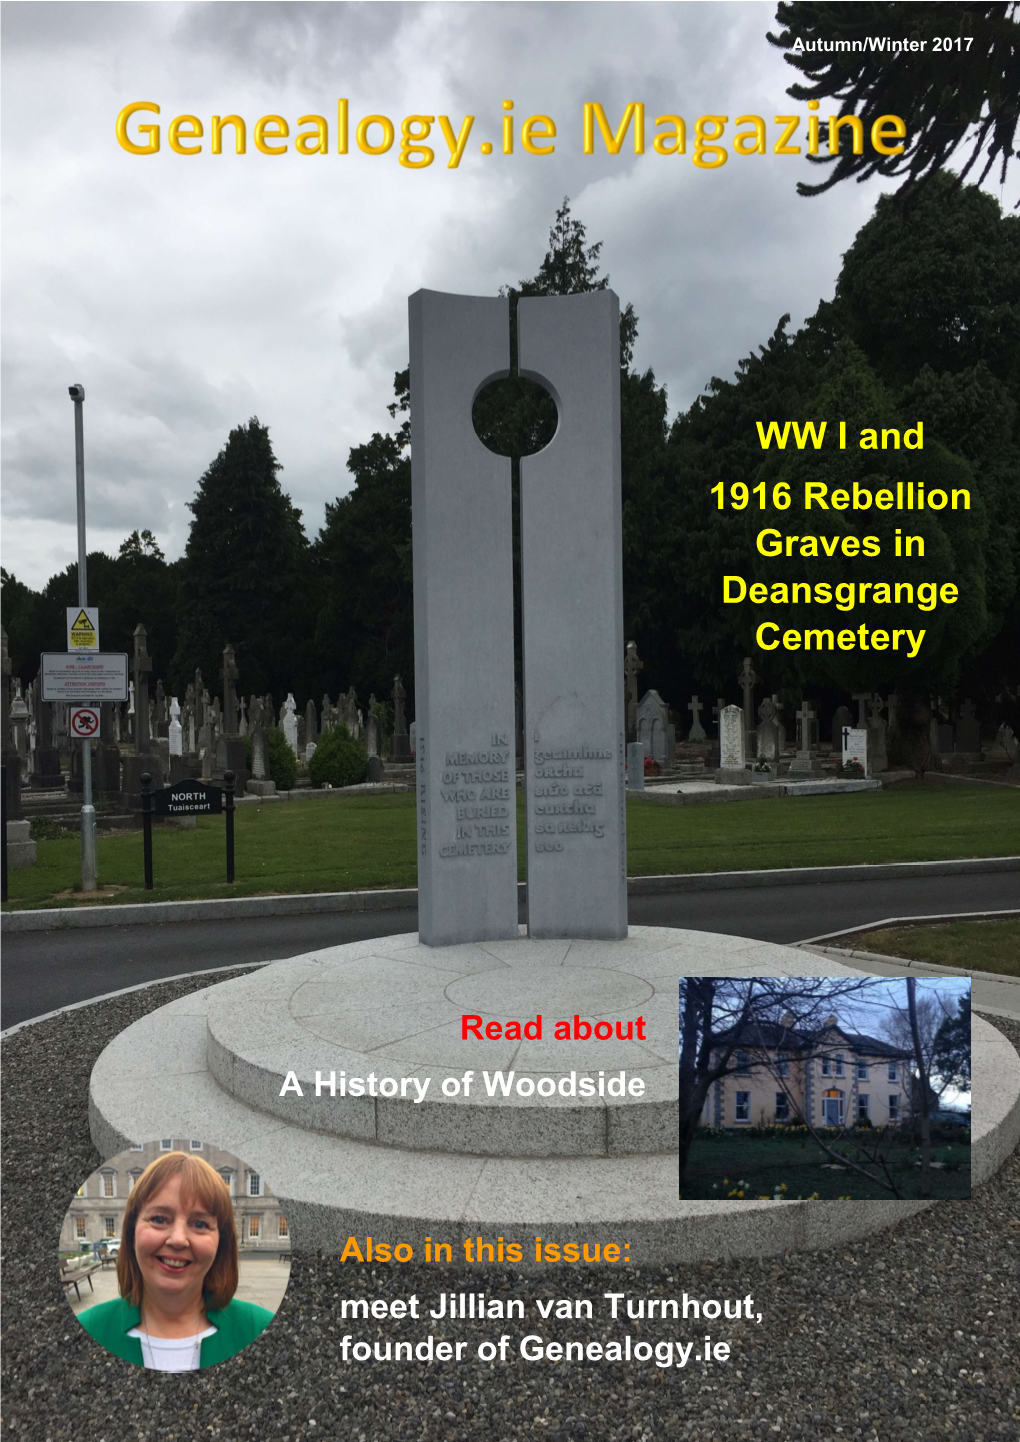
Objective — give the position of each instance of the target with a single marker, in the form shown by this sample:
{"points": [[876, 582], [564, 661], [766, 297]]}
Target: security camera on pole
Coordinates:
{"points": [[89, 873]]}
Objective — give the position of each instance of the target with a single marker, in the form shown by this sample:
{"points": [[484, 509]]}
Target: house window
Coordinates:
{"points": [[282, 1229], [167, 1144], [743, 1063], [254, 1227], [137, 1147], [742, 1112], [863, 1101], [862, 1071], [826, 1066], [195, 1146], [893, 1072], [839, 1063], [132, 1178], [894, 1107], [109, 1226], [79, 1229], [228, 1177], [254, 1184], [109, 1184], [782, 1107], [783, 1066]]}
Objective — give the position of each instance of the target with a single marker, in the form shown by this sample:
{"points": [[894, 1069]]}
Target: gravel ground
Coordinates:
{"points": [[913, 1335]]}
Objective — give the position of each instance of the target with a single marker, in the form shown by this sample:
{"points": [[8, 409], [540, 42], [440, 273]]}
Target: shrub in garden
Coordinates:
{"points": [[339, 760], [280, 759]]}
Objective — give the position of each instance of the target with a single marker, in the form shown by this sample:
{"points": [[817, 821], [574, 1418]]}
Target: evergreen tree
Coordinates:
{"points": [[245, 576], [951, 1053], [946, 96]]}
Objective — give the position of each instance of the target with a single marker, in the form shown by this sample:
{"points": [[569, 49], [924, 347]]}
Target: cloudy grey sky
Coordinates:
{"points": [[189, 293]]}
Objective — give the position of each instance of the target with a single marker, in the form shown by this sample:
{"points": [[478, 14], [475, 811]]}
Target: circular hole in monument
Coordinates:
{"points": [[514, 417], [229, 1231]]}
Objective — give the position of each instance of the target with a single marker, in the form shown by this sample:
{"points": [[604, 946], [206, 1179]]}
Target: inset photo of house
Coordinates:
{"points": [[824, 1088]]}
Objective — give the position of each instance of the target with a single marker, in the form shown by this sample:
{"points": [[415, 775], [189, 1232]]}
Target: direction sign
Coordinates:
{"points": [[85, 722], [83, 628], [188, 798], [96, 677]]}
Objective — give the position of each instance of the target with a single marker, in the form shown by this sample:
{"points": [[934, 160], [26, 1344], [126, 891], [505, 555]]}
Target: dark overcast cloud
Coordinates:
{"points": [[189, 294]]}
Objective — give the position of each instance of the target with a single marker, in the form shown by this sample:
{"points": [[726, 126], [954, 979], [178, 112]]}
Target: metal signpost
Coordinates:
{"points": [[89, 872], [186, 798]]}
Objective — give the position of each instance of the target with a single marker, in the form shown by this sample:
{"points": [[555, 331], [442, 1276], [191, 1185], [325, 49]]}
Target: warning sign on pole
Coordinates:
{"points": [[83, 628], [85, 722]]}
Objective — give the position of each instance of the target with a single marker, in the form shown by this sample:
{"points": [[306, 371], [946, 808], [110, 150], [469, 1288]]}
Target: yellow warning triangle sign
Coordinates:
{"points": [[82, 623]]}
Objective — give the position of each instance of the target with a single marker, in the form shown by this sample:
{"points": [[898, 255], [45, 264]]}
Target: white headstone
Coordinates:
{"points": [[855, 746], [731, 743], [635, 766], [175, 730], [653, 726], [288, 722]]}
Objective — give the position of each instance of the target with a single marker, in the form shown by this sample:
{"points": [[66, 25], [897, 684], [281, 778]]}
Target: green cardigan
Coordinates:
{"points": [[237, 1325]]}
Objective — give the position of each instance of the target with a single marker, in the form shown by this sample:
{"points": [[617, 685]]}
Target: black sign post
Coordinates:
{"points": [[147, 827], [187, 798]]}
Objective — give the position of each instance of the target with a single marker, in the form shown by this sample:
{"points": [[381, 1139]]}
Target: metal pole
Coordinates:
{"points": [[147, 827], [89, 869], [228, 787]]}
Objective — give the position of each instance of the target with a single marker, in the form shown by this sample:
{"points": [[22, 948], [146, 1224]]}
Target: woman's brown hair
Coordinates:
{"points": [[199, 1183]]}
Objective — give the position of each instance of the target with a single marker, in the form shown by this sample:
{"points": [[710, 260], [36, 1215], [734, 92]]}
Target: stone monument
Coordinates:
{"points": [[400, 741], [748, 679], [632, 665], [806, 762], [731, 748]]}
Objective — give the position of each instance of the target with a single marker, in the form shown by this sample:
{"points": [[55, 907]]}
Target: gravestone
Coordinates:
{"points": [[175, 742], [288, 722], [162, 715], [242, 717], [747, 679], [19, 726], [731, 748], [352, 713], [635, 766], [572, 622], [400, 741], [260, 784], [878, 757], [311, 728], [946, 737], [652, 720], [372, 728], [144, 757], [106, 755], [412, 737], [854, 746], [46, 772], [862, 698], [806, 762], [968, 732], [328, 713], [697, 731], [632, 664], [842, 718], [769, 743], [175, 731]]}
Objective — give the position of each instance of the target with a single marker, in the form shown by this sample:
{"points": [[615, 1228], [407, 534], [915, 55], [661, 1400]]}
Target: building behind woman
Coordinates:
{"points": [[177, 1274]]}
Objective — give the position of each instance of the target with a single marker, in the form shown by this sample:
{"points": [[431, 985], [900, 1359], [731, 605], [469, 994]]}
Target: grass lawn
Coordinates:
{"points": [[766, 1162], [359, 842], [977, 945]]}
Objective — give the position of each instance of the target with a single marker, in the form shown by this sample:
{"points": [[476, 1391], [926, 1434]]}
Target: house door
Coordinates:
{"points": [[831, 1111]]}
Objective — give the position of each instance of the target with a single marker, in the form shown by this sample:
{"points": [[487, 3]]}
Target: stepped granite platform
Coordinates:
{"points": [[603, 1168]]}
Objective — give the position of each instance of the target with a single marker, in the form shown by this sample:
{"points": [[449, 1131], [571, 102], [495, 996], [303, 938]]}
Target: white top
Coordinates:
{"points": [[171, 1354]]}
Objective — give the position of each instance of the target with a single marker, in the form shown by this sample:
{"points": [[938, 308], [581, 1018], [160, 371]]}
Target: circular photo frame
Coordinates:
{"points": [[174, 1255]]}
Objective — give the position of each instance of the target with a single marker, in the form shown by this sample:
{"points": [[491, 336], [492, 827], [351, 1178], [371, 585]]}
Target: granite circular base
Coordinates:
{"points": [[236, 1065]]}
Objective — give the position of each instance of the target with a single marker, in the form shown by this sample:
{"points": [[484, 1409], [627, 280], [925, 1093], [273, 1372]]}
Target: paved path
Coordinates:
{"points": [[46, 970]]}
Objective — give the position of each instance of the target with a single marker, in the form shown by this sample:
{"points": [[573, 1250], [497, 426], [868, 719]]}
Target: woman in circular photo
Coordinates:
{"points": [[177, 1273]]}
